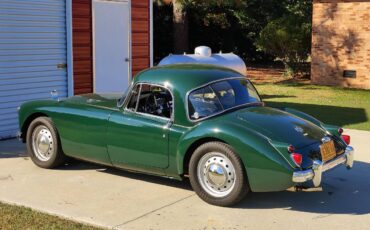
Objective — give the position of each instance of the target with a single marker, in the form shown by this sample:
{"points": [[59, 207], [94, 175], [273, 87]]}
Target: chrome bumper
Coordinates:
{"points": [[318, 168]]}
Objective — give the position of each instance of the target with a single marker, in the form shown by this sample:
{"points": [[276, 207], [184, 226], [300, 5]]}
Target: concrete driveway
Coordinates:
{"points": [[116, 199]]}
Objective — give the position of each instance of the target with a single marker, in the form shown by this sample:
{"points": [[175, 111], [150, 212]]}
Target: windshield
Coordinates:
{"points": [[220, 96]]}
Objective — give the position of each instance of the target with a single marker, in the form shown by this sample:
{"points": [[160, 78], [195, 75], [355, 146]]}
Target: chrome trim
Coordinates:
{"points": [[42, 143], [315, 174], [216, 174], [119, 105], [303, 176], [223, 111], [350, 157], [317, 169]]}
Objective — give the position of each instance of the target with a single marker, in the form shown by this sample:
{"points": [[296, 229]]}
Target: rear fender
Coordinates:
{"points": [[267, 168]]}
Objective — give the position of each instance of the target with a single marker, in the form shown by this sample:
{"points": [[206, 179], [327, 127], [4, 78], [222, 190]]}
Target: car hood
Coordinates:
{"points": [[99, 100], [279, 125]]}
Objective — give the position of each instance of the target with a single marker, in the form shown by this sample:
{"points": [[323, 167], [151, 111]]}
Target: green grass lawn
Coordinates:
{"points": [[16, 217], [349, 108]]}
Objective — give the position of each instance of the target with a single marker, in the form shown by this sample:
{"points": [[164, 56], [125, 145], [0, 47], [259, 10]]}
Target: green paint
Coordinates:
{"points": [[93, 128]]}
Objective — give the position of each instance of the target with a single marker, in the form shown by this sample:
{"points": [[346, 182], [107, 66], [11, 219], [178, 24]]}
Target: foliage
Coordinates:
{"points": [[228, 25], [288, 37]]}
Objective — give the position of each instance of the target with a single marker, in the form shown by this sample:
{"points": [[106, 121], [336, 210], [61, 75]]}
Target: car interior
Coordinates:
{"points": [[153, 100]]}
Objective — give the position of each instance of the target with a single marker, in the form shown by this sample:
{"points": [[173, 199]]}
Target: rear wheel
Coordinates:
{"points": [[43, 143], [217, 174]]}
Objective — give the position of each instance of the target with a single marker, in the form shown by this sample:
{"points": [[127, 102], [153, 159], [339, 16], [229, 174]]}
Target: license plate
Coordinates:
{"points": [[327, 151]]}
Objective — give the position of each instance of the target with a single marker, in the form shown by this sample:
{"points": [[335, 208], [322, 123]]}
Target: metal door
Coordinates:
{"points": [[111, 45]]}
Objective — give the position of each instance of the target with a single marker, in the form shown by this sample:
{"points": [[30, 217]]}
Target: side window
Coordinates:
{"points": [[155, 100], [133, 98]]}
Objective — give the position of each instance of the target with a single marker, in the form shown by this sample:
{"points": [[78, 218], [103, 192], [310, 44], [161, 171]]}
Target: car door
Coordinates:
{"points": [[137, 136]]}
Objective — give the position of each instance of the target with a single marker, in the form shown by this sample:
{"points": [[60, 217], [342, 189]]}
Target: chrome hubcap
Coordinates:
{"points": [[42, 143], [216, 174]]}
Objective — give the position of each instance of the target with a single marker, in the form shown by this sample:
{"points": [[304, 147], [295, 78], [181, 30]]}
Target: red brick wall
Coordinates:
{"points": [[341, 41], [82, 42]]}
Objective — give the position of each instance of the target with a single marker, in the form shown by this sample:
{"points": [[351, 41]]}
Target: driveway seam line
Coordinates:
{"points": [[153, 211]]}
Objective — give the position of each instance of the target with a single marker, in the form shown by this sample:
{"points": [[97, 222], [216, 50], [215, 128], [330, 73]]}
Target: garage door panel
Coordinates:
{"points": [[9, 29], [30, 69], [20, 64], [37, 2], [9, 111], [12, 122], [32, 37], [14, 101], [26, 75], [15, 41], [34, 57], [31, 79], [32, 45], [9, 122], [31, 18], [14, 5], [36, 13], [23, 52], [32, 23], [7, 90]]}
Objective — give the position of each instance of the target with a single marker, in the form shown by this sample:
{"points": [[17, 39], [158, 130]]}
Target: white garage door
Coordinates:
{"points": [[33, 52]]}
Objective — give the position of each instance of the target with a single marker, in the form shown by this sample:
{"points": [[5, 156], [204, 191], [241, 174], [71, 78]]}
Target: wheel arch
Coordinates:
{"points": [[190, 150], [27, 123]]}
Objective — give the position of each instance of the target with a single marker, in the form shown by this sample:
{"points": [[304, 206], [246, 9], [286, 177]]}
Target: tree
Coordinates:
{"points": [[179, 29], [180, 26], [231, 26], [288, 38]]}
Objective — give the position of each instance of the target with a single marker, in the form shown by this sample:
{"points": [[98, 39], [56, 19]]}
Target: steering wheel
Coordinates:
{"points": [[150, 104]]}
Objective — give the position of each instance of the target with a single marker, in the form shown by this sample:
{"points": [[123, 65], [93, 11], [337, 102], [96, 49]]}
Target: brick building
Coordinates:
{"points": [[341, 43]]}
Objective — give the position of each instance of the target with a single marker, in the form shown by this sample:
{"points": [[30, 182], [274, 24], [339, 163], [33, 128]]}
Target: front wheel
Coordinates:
{"points": [[43, 143], [217, 174]]}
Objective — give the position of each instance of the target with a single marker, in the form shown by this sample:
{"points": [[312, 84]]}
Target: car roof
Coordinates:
{"points": [[185, 77]]}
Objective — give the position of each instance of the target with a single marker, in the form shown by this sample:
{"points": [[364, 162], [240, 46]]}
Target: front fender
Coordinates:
{"points": [[28, 109], [267, 167]]}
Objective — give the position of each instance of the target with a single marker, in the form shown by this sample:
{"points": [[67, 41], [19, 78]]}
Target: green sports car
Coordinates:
{"points": [[200, 121]]}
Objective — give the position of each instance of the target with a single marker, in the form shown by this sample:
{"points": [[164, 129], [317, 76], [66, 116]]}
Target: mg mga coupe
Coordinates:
{"points": [[199, 121]]}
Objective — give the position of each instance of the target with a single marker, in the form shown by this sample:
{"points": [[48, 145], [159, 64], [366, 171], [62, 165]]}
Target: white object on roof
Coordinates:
{"points": [[203, 55]]}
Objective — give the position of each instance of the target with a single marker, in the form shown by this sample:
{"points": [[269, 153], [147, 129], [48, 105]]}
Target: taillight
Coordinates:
{"points": [[340, 131], [346, 138], [297, 158]]}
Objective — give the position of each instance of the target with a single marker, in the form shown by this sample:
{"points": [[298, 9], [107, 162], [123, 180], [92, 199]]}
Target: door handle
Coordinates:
{"points": [[127, 59]]}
